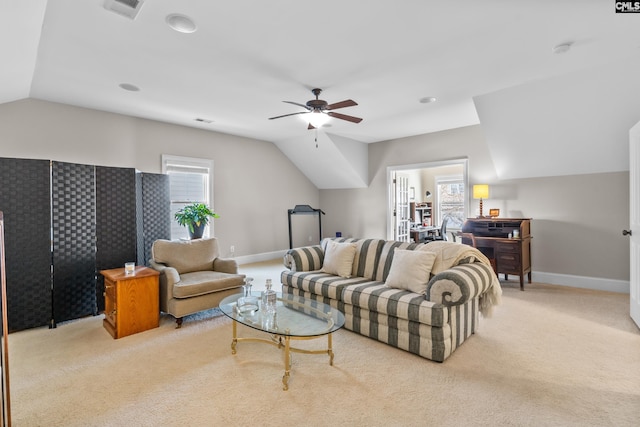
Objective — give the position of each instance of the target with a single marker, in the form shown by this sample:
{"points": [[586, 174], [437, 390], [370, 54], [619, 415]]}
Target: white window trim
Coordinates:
{"points": [[193, 162], [168, 159]]}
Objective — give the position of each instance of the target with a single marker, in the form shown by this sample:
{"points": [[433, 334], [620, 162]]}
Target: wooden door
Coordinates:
{"points": [[401, 210], [634, 222]]}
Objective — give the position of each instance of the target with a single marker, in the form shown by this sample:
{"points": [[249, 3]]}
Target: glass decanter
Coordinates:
{"points": [[247, 304]]}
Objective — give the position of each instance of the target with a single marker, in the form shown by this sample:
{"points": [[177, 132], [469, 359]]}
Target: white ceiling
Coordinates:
{"points": [[248, 56]]}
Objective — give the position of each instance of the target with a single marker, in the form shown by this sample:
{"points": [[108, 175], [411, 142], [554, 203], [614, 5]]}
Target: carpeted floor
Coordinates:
{"points": [[550, 356]]}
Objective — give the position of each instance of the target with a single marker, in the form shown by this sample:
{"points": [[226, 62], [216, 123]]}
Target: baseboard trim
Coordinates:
{"points": [[595, 283], [266, 256]]}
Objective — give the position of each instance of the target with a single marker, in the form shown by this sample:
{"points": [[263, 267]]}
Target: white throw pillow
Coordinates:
{"points": [[338, 258], [410, 270]]}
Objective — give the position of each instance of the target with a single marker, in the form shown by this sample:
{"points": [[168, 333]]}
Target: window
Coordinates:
{"points": [[450, 198], [191, 180]]}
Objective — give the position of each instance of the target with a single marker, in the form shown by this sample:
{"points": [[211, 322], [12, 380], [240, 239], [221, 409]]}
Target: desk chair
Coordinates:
{"points": [[443, 232]]}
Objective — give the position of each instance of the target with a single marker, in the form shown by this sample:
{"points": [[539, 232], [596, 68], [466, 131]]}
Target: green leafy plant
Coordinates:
{"points": [[195, 214]]}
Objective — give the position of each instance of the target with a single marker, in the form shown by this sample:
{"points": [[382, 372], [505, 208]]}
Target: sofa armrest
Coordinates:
{"points": [[308, 258], [459, 284], [225, 265]]}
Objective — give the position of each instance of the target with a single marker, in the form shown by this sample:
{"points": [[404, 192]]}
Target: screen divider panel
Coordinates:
{"points": [[74, 241], [156, 210], [115, 222], [25, 201]]}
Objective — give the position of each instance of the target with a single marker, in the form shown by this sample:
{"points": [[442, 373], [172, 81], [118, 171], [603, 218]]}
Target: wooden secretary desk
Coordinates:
{"points": [[511, 255]]}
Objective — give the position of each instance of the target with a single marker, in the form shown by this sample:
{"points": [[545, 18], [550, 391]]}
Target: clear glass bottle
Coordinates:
{"points": [[269, 296], [268, 302], [247, 303]]}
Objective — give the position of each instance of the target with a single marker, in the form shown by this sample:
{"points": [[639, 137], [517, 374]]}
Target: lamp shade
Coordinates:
{"points": [[481, 191]]}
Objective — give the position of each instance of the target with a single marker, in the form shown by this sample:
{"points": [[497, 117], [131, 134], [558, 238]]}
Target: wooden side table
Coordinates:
{"points": [[131, 301]]}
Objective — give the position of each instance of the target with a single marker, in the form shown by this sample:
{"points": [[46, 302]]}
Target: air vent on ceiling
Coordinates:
{"points": [[128, 8]]}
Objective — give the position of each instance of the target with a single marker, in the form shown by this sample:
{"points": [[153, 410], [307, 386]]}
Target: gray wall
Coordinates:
{"points": [[254, 183], [577, 220]]}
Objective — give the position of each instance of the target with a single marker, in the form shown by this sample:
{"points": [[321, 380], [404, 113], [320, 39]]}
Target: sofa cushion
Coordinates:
{"points": [[205, 282], [383, 264], [410, 270], [367, 253], [338, 258], [186, 255], [376, 297], [319, 283]]}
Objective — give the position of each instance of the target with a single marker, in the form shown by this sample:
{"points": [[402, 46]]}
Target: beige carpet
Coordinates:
{"points": [[550, 356]]}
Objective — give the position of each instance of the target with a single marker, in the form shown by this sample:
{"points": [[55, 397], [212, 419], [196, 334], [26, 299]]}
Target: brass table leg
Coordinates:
{"points": [[234, 341], [287, 363], [284, 341], [330, 348]]}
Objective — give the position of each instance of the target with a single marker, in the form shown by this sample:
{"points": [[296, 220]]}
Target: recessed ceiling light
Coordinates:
{"points": [[562, 48], [129, 87], [427, 100], [181, 23]]}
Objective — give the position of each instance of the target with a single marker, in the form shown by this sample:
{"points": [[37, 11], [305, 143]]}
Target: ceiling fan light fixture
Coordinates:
{"points": [[181, 23], [316, 118]]}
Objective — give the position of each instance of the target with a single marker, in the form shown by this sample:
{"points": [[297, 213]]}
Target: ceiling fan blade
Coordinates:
{"points": [[300, 105], [345, 117], [342, 104], [287, 115]]}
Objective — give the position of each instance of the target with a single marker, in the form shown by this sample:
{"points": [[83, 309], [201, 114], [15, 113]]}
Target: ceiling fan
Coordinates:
{"points": [[321, 110]]}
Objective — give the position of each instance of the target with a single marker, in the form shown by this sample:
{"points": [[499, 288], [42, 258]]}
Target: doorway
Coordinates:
{"points": [[423, 187]]}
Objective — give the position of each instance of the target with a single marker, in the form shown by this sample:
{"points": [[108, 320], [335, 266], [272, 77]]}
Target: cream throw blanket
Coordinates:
{"points": [[449, 254]]}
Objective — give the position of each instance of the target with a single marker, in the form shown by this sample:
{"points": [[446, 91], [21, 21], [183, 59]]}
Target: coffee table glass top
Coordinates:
{"points": [[295, 316]]}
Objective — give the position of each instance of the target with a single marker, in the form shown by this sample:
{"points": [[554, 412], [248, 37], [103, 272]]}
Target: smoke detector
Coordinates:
{"points": [[127, 8]]}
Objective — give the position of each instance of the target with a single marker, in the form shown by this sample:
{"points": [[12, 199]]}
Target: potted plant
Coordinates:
{"points": [[195, 216]]}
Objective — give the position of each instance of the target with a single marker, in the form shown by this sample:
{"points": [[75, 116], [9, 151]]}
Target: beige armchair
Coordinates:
{"points": [[192, 277]]}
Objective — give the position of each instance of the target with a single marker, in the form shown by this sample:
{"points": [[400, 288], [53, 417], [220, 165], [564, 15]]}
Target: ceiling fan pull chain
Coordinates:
{"points": [[316, 138]]}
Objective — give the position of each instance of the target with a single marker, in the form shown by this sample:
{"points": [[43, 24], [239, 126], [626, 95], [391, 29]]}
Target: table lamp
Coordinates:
{"points": [[481, 191]]}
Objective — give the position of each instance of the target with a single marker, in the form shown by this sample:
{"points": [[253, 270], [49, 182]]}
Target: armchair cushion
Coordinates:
{"points": [[203, 282], [186, 256]]}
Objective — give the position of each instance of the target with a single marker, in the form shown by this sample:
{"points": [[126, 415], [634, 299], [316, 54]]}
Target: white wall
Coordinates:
{"points": [[254, 183]]}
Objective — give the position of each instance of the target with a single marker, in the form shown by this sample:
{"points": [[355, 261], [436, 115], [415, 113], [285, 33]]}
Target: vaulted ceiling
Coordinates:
{"points": [[486, 62]]}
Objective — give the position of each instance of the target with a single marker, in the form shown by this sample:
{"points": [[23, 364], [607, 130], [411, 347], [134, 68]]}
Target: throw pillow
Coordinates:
{"points": [[338, 258], [410, 270]]}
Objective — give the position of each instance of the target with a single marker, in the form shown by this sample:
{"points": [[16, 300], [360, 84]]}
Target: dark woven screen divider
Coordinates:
{"points": [[101, 217], [25, 201], [116, 229], [140, 257], [156, 210], [73, 216]]}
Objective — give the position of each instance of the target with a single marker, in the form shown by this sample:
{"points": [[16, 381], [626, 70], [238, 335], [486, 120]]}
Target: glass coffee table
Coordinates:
{"points": [[295, 318]]}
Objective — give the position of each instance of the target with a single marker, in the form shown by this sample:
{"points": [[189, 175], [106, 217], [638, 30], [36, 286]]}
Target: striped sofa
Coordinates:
{"points": [[432, 325]]}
